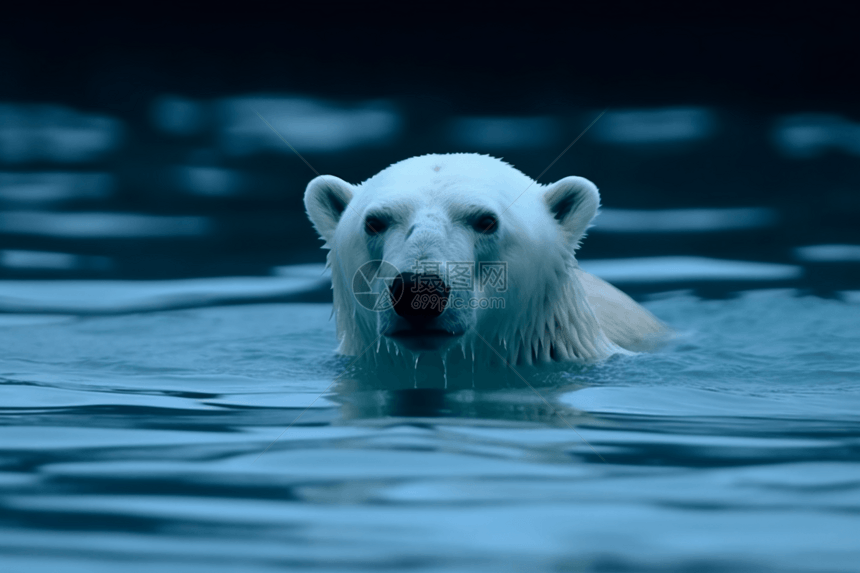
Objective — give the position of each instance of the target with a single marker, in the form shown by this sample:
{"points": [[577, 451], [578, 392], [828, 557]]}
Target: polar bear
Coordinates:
{"points": [[465, 250]]}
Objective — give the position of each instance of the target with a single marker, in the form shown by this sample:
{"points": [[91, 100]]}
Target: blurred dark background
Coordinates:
{"points": [[130, 145]]}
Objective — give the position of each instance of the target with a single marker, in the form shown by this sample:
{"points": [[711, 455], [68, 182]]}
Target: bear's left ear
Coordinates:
{"points": [[326, 198], [573, 201]]}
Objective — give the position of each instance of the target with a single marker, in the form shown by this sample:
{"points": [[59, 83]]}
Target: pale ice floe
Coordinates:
{"points": [[684, 220], [668, 269], [115, 296]]}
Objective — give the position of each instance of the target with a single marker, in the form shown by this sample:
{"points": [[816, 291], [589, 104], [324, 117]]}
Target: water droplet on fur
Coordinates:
{"points": [[445, 369]]}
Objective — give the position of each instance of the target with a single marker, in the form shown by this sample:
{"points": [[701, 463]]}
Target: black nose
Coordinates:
{"points": [[419, 298]]}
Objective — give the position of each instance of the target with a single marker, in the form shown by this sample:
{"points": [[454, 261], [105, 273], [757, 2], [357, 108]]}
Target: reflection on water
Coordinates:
{"points": [[655, 126], [309, 124], [33, 133], [51, 261], [808, 136], [503, 133], [100, 225], [53, 187], [179, 116], [142, 439], [186, 187], [460, 407], [828, 253], [684, 220], [670, 269], [205, 180]]}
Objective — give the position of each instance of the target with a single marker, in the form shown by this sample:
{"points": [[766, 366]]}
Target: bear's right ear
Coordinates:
{"points": [[326, 198], [573, 201]]}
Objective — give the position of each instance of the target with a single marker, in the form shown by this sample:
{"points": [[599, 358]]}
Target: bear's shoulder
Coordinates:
{"points": [[623, 320]]}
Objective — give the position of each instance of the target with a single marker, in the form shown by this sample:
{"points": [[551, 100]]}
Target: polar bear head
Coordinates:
{"points": [[443, 249]]}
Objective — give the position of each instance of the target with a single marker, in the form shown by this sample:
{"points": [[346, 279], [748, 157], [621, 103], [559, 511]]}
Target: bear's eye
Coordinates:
{"points": [[486, 224], [374, 225]]}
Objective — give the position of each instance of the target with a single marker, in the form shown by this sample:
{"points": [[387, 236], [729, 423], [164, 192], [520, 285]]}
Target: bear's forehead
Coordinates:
{"points": [[448, 177]]}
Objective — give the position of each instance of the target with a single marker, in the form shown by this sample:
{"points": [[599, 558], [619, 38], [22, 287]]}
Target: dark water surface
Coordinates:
{"points": [[137, 441]]}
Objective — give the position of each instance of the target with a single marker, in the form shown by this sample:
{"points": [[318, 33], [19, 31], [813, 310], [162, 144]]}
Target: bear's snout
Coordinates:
{"points": [[419, 298]]}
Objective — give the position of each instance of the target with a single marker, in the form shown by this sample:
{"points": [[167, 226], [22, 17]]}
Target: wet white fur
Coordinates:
{"points": [[553, 310]]}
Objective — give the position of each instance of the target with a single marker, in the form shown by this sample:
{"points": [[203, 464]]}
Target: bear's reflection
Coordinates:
{"points": [[452, 390]]}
